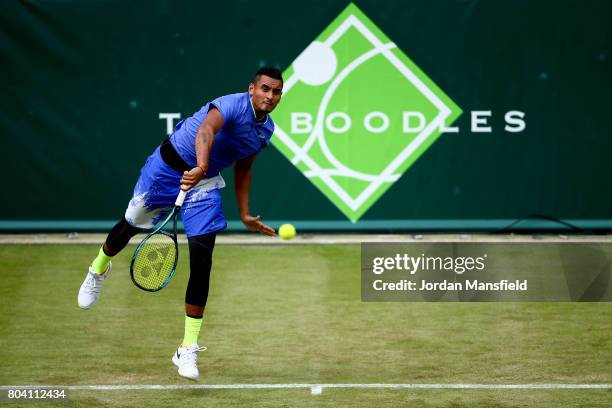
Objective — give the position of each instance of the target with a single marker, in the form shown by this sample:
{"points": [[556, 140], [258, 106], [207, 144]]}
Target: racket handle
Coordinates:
{"points": [[180, 198]]}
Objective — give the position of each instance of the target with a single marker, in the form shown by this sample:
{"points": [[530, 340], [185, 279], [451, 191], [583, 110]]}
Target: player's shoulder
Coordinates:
{"points": [[236, 99], [232, 106]]}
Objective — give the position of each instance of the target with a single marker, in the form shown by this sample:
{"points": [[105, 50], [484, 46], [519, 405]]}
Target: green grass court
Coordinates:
{"points": [[288, 314]]}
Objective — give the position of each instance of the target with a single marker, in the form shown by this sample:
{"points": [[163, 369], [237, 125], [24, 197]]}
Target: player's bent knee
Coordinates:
{"points": [[119, 236]]}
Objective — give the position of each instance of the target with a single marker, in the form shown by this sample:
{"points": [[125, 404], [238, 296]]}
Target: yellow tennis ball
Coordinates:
{"points": [[286, 231]]}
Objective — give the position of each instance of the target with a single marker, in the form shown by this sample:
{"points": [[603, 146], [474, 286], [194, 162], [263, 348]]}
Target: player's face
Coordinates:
{"points": [[266, 93]]}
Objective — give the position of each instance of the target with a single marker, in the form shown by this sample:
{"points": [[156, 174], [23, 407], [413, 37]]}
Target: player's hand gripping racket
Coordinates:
{"points": [[155, 258]]}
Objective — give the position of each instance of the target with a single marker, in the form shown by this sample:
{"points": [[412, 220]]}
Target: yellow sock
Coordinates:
{"points": [[101, 262], [192, 331]]}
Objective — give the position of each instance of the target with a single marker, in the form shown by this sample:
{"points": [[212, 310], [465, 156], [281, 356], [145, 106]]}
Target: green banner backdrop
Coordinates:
{"points": [[89, 88]]}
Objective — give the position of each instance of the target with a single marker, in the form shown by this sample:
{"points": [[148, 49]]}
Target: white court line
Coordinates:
{"points": [[315, 389]]}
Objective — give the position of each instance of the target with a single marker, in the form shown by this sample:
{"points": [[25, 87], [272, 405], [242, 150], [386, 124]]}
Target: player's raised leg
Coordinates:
{"points": [[100, 268], [153, 197]]}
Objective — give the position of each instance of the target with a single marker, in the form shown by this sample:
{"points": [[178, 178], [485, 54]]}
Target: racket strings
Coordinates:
{"points": [[154, 261]]}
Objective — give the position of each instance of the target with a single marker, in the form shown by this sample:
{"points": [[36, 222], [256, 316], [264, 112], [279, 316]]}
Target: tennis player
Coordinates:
{"points": [[229, 131]]}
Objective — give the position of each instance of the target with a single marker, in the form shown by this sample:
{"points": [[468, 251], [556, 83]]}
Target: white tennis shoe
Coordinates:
{"points": [[91, 287], [186, 359]]}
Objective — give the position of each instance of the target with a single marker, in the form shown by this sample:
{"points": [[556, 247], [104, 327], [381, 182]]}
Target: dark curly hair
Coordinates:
{"points": [[271, 72]]}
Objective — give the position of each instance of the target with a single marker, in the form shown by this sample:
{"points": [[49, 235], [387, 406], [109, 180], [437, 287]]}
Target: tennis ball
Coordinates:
{"points": [[286, 231]]}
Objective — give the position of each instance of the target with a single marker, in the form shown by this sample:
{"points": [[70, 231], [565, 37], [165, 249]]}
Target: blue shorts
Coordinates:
{"points": [[156, 191]]}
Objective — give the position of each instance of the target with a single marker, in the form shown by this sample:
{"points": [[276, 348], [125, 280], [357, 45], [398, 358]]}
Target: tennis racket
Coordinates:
{"points": [[155, 258]]}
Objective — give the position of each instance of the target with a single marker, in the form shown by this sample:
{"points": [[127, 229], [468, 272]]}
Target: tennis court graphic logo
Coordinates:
{"points": [[357, 113]]}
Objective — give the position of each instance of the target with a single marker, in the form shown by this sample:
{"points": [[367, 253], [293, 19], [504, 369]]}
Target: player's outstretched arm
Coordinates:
{"points": [[242, 182], [203, 144]]}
